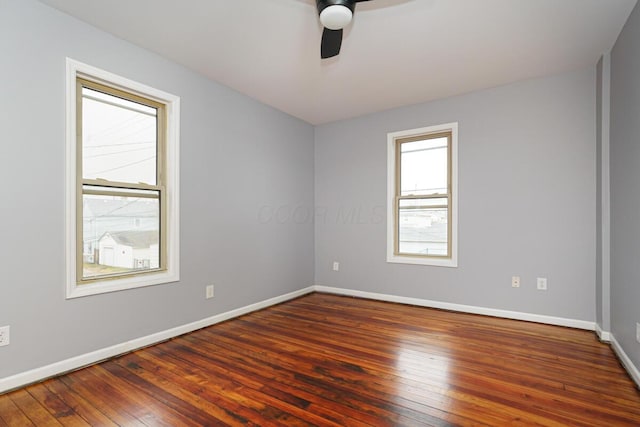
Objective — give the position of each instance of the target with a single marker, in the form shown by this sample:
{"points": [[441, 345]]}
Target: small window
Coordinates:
{"points": [[122, 177], [422, 196]]}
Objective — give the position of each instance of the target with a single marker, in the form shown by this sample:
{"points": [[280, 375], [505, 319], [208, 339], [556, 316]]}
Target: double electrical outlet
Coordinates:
{"points": [[541, 283]]}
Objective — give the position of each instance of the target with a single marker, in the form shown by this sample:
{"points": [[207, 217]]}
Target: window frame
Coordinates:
{"points": [[167, 181], [394, 142]]}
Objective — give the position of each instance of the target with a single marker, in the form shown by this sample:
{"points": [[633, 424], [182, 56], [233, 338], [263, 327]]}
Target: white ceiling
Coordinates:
{"points": [[395, 53]]}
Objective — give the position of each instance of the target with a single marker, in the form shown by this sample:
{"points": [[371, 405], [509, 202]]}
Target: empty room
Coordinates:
{"points": [[331, 212]]}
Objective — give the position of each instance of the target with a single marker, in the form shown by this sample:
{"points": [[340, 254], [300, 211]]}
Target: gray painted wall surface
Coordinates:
{"points": [[625, 188], [603, 195], [599, 192], [527, 202], [239, 158]]}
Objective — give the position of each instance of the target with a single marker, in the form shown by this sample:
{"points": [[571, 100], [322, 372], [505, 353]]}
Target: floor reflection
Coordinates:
{"points": [[422, 376]]}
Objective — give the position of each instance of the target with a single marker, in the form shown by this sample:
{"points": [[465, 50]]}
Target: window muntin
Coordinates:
{"points": [[422, 202], [120, 183]]}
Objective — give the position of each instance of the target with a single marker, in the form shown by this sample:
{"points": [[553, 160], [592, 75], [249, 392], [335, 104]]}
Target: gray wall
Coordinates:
{"points": [[625, 188], [603, 195], [238, 158], [527, 202]]}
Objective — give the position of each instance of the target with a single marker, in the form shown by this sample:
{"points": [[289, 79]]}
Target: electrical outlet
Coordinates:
{"points": [[542, 283], [209, 292], [638, 332], [5, 335], [515, 281], [336, 266]]}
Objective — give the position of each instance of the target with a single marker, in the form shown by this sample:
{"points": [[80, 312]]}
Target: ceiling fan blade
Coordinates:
{"points": [[331, 43]]}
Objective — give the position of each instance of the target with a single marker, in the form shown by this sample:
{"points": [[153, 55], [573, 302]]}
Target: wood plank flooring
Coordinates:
{"points": [[328, 360]]}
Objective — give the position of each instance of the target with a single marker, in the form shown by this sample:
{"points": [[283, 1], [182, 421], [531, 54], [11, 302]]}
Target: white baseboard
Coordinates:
{"points": [[558, 321], [604, 336], [633, 371], [39, 374]]}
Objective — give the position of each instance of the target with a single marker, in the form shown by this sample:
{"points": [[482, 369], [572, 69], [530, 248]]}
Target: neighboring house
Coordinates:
{"points": [[129, 249], [113, 215]]}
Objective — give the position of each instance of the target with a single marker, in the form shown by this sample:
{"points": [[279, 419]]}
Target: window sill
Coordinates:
{"points": [[114, 285], [434, 262]]}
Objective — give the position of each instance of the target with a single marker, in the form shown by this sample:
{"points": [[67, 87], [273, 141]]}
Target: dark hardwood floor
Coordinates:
{"points": [[330, 360]]}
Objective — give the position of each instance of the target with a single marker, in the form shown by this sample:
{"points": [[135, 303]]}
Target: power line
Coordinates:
{"points": [[108, 214], [124, 166], [116, 127], [116, 152], [117, 145]]}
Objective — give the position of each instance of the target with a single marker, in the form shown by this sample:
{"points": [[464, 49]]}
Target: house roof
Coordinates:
{"points": [[135, 239]]}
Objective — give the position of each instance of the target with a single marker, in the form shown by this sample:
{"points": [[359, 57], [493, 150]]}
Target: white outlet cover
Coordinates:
{"points": [[5, 335], [542, 283], [638, 332], [336, 266], [515, 281]]}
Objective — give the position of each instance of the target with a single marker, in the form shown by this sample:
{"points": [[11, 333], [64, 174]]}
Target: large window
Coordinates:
{"points": [[122, 179], [422, 196]]}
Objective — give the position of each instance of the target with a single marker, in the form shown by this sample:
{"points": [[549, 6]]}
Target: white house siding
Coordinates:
{"points": [[113, 254], [150, 254]]}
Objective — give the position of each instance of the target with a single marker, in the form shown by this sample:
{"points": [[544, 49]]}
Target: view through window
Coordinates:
{"points": [[423, 195], [121, 182]]}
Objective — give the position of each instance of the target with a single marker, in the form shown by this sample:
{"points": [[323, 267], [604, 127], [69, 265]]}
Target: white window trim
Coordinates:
{"points": [[76, 69], [391, 177]]}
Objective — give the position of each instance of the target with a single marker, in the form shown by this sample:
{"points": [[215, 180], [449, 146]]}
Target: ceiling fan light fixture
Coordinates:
{"points": [[335, 17]]}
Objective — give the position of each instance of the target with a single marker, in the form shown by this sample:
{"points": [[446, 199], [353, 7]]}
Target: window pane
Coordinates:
{"points": [[422, 227], [423, 167], [121, 234], [119, 139]]}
